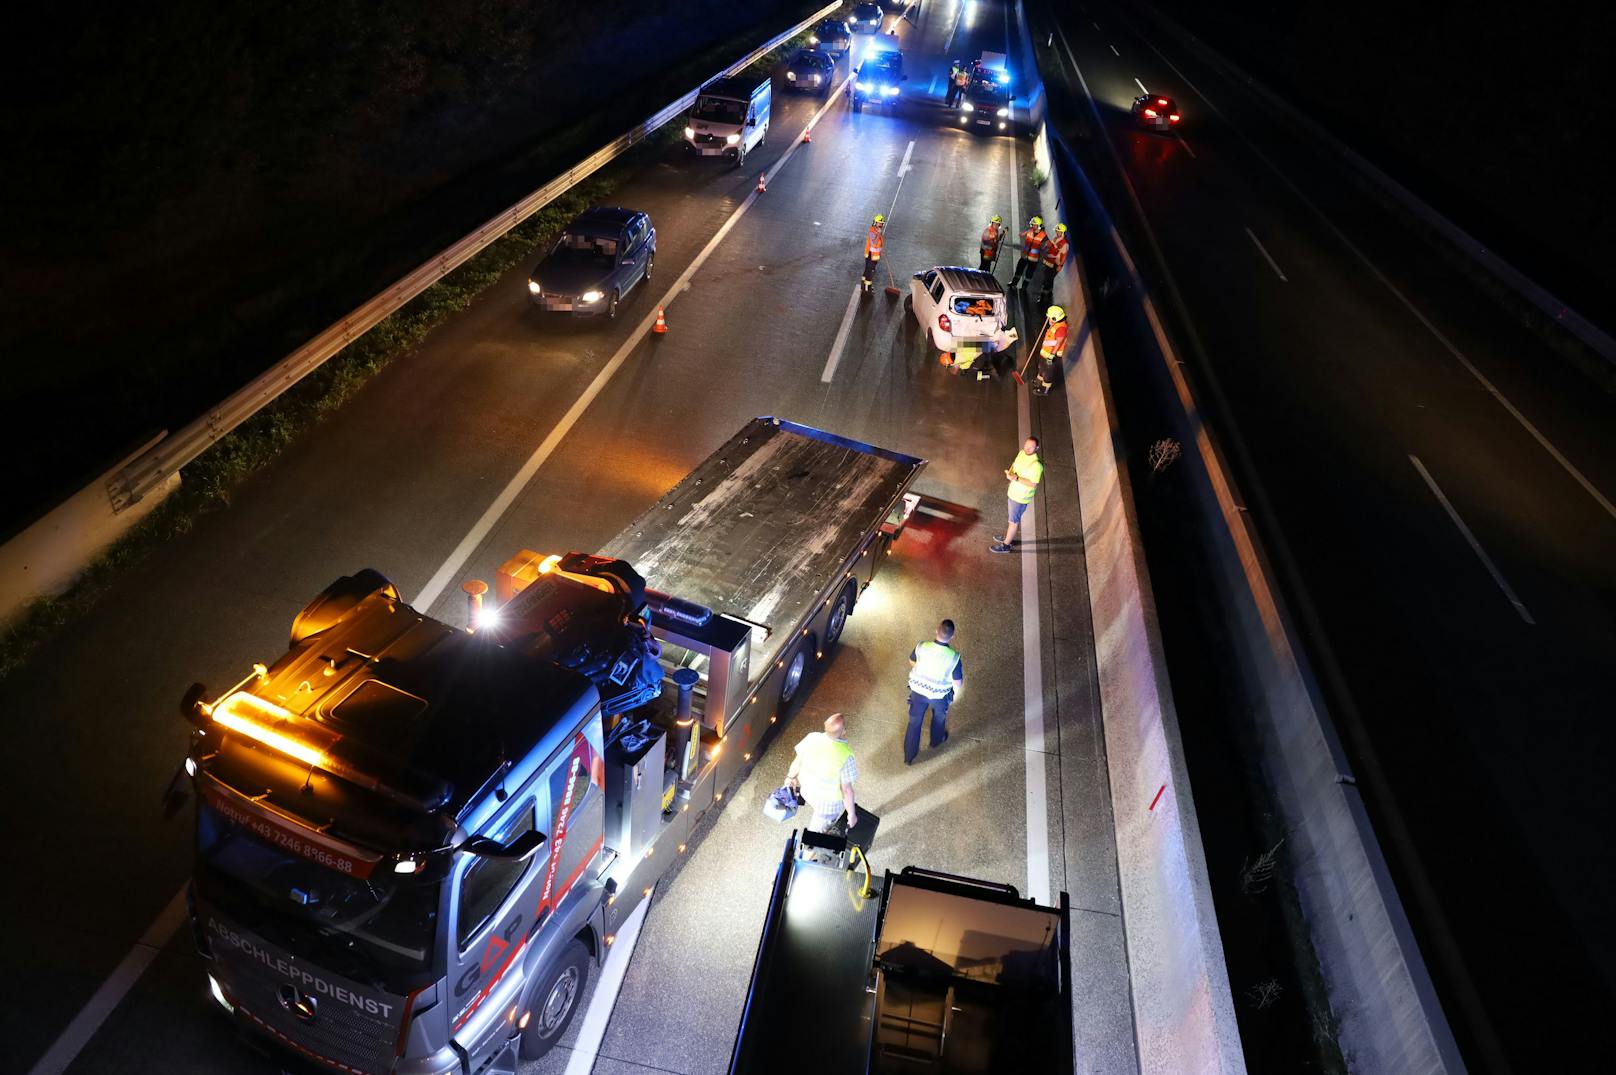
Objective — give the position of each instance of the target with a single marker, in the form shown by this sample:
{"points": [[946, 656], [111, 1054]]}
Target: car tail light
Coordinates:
{"points": [[944, 323], [1173, 118], [1150, 113], [1161, 102]]}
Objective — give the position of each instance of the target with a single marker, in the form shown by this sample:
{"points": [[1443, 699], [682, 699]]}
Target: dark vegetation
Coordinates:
{"points": [[191, 189], [1491, 111]]}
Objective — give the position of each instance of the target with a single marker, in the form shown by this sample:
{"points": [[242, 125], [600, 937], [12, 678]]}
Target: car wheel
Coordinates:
{"points": [[650, 263], [909, 302], [611, 308], [554, 1001]]}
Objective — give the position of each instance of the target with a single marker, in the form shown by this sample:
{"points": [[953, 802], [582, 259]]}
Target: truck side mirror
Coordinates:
{"points": [[520, 848]]}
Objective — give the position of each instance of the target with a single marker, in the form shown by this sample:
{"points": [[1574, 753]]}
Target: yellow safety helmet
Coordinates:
{"points": [[1060, 229], [1036, 222], [879, 219], [996, 219], [1057, 313]]}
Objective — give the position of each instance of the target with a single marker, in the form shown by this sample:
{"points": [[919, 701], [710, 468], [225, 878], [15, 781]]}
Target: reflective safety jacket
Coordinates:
{"points": [[1054, 345], [1032, 243], [962, 77], [933, 673], [820, 774], [1055, 253], [991, 238], [872, 244]]}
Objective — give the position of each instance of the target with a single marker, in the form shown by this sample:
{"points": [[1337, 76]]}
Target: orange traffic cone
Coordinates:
{"points": [[807, 136], [761, 177], [661, 325]]}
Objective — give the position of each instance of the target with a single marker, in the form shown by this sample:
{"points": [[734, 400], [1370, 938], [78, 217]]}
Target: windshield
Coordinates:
{"points": [[579, 249], [380, 929], [718, 110]]}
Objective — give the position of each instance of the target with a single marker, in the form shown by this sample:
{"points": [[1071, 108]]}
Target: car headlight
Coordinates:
{"points": [[690, 133], [533, 288], [966, 106], [856, 84], [816, 80], [791, 76], [890, 91], [732, 139], [1003, 112], [813, 40], [590, 296]]}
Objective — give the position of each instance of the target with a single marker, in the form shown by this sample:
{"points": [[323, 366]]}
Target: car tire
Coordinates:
{"points": [[909, 303], [611, 307], [554, 1000], [650, 263]]}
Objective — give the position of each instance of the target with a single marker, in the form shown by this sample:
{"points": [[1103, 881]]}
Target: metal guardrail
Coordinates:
{"points": [[163, 459]]}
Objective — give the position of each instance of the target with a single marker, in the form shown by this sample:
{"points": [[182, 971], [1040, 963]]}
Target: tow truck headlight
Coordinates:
{"points": [[966, 106], [1003, 112], [408, 866], [533, 288], [690, 133], [218, 994], [732, 139], [791, 76], [590, 296]]}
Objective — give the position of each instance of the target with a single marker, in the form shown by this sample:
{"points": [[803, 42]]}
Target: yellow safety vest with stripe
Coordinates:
{"points": [[933, 673], [1028, 467], [820, 773]]}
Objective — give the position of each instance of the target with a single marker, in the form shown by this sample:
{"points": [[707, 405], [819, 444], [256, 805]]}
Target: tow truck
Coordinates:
{"points": [[920, 971], [414, 839]]}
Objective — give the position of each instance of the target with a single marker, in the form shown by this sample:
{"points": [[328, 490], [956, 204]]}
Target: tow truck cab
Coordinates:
{"points": [[730, 117]]}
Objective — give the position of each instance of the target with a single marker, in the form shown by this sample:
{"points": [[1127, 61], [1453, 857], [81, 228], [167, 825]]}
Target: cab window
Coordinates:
{"points": [[487, 882]]}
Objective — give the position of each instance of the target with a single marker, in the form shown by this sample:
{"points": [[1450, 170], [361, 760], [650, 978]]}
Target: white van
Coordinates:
{"points": [[731, 117]]}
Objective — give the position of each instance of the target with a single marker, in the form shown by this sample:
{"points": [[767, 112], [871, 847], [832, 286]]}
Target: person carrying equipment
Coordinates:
{"points": [[872, 250], [1032, 251], [992, 239], [1055, 254], [962, 80], [1052, 350]]}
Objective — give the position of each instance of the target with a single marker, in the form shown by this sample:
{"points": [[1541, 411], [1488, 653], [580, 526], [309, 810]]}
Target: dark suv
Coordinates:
{"points": [[602, 256], [811, 71]]}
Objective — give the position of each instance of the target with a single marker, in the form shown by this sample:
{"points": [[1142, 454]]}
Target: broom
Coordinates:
{"points": [[1032, 353]]}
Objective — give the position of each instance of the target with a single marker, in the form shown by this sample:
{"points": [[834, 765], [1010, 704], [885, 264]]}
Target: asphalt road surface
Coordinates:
{"points": [[583, 424], [1437, 486]]}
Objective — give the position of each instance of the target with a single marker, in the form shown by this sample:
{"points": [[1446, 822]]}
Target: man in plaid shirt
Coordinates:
{"points": [[823, 773]]}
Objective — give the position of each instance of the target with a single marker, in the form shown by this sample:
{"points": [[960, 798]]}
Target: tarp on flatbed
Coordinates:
{"points": [[763, 525]]}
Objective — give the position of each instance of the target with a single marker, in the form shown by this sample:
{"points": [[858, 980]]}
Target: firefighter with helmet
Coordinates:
{"points": [[1052, 350], [1055, 253], [992, 239], [1032, 251], [872, 250]]}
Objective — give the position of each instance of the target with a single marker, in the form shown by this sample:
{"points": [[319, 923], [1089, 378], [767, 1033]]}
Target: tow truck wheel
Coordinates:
{"points": [[837, 622], [796, 670], [552, 1003]]}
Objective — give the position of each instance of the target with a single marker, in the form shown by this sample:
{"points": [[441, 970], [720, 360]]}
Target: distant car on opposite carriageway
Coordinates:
{"points": [[879, 79], [811, 71], [866, 18], [833, 36]]}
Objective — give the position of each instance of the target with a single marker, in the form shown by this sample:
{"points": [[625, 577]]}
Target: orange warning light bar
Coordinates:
{"points": [[265, 722]]}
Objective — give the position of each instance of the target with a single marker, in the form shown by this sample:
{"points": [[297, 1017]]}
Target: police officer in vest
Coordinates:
{"points": [[936, 674]]}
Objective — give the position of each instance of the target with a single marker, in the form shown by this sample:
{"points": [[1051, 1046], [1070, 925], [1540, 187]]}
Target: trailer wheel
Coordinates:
{"points": [[837, 621], [553, 1002], [796, 670]]}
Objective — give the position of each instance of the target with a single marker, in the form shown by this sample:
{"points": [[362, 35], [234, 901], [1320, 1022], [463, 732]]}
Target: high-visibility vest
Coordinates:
{"points": [[1028, 467], [1032, 243], [933, 673], [962, 78], [1055, 253], [872, 245], [991, 238], [820, 774], [1054, 341]]}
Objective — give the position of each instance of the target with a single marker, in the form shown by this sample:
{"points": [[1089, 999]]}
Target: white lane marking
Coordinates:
{"points": [[112, 991], [1141, 86], [1185, 144], [1094, 24], [841, 336], [1470, 539], [1492, 390], [89, 1019], [1114, 51], [1032, 670], [586, 1050], [1263, 250], [502, 503]]}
